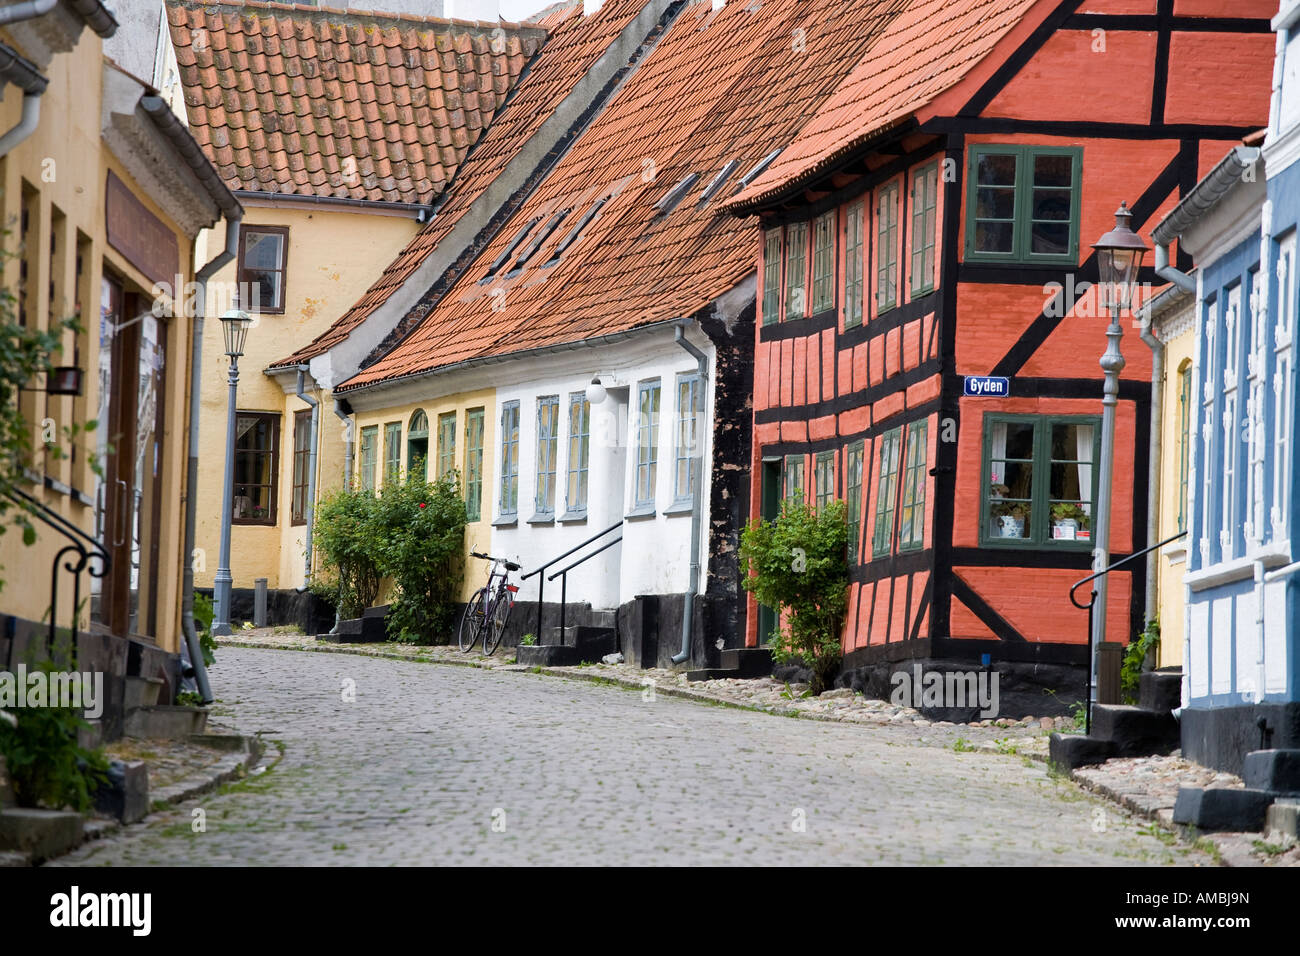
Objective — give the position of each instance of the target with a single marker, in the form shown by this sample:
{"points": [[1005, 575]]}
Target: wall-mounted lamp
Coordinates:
{"points": [[595, 391]]}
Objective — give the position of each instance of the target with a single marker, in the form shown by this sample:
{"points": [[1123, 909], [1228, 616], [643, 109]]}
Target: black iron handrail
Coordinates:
{"points": [[563, 575], [541, 581], [76, 549], [1092, 600]]}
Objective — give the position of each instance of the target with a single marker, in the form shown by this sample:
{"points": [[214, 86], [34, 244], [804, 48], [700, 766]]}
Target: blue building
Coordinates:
{"points": [[1241, 661]]}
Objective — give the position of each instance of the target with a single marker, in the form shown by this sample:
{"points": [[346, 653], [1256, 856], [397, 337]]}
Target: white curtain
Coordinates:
{"points": [[999, 452], [1083, 451]]}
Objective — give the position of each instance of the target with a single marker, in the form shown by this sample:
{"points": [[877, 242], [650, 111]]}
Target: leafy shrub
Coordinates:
{"points": [[797, 564], [203, 614], [45, 763], [1135, 655], [344, 531], [420, 533]]}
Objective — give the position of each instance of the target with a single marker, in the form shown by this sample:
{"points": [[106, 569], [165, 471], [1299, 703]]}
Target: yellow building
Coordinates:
{"points": [[338, 157], [104, 194], [1173, 322]]}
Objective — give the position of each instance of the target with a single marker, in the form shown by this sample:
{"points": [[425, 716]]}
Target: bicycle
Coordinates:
{"points": [[488, 610]]}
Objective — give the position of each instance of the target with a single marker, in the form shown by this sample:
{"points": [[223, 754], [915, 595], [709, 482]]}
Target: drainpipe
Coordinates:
{"points": [[14, 69], [697, 494], [1153, 455], [311, 472], [26, 10], [346, 419], [227, 255]]}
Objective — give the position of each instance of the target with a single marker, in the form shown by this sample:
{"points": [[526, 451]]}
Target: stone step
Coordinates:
{"points": [[165, 722], [1277, 771], [748, 662], [125, 792], [712, 673], [1232, 809], [547, 655], [1135, 732], [359, 630], [1070, 751], [1282, 822], [143, 692], [1161, 691], [39, 834]]}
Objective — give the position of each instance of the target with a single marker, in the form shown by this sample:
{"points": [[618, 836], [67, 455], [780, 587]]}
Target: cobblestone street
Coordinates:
{"points": [[435, 764]]}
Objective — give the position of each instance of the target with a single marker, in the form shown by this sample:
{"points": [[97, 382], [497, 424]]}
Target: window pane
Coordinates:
{"points": [[995, 204], [1052, 204], [548, 410], [579, 450], [474, 422], [1053, 170], [647, 443], [263, 250], [510, 458], [796, 270], [994, 237], [1051, 238], [995, 170], [853, 266], [772, 276], [824, 263]]}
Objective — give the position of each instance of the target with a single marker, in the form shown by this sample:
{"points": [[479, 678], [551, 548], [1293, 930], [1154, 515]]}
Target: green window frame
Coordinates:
{"points": [[796, 271], [509, 503], [1022, 204], [772, 276], [887, 247], [882, 538], [446, 443], [911, 523], [1039, 486], [647, 443], [792, 477], [392, 452], [548, 449], [575, 493], [824, 478], [475, 425], [853, 459], [854, 234], [301, 461], [1184, 438], [688, 436], [369, 451], [925, 208], [417, 445], [823, 283]]}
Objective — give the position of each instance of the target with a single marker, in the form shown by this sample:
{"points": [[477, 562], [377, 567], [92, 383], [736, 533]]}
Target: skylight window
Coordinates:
{"points": [[669, 200], [576, 232], [511, 246], [536, 243], [763, 163], [719, 180]]}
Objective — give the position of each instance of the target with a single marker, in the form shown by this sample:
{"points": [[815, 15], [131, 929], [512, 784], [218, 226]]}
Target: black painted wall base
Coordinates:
{"points": [[284, 606], [1220, 737]]}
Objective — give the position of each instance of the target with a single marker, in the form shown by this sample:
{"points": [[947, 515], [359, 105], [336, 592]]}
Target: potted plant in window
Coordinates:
{"points": [[1069, 521], [1009, 519]]}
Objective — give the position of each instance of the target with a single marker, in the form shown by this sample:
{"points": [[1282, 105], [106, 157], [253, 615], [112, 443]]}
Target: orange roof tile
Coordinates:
{"points": [[278, 93], [924, 52], [720, 86]]}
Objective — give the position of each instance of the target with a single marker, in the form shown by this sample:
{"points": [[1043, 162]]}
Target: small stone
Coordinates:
{"points": [[1047, 723]]}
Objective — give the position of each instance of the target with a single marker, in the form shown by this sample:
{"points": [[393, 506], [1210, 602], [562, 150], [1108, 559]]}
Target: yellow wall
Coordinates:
{"points": [[478, 534], [1171, 563], [332, 258]]}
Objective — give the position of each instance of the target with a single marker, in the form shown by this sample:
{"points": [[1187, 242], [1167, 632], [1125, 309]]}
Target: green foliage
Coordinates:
{"points": [[528, 640], [420, 530], [344, 530], [203, 613], [797, 565], [46, 765], [1135, 655], [189, 698]]}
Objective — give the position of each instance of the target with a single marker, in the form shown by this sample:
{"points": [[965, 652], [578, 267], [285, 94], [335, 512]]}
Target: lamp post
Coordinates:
{"points": [[234, 326], [1119, 256]]}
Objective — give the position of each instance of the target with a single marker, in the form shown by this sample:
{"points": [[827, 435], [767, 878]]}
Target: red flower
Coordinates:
{"points": [[421, 504]]}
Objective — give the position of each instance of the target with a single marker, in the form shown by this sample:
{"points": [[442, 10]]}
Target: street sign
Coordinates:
{"points": [[987, 385]]}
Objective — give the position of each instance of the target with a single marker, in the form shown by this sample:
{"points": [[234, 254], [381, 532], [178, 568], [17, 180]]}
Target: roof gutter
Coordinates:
{"points": [[97, 16], [421, 212], [170, 126], [24, 75], [26, 10]]}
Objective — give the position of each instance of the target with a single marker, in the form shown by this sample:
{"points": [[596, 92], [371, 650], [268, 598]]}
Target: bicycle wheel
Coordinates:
{"points": [[496, 627], [471, 622]]}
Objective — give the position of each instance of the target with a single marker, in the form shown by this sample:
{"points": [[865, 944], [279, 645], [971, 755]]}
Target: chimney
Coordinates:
{"points": [[591, 6], [473, 10]]}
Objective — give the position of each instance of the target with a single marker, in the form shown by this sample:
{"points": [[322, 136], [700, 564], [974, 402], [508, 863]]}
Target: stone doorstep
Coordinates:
{"points": [[1282, 821], [165, 722], [39, 834]]}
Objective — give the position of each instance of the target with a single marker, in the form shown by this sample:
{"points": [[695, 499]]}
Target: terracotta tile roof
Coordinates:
{"points": [[924, 52], [575, 42], [724, 86], [346, 104]]}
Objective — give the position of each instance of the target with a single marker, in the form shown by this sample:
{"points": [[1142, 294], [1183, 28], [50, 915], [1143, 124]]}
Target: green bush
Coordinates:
{"points": [[1135, 655], [47, 767], [344, 530], [420, 532], [203, 614], [797, 565]]}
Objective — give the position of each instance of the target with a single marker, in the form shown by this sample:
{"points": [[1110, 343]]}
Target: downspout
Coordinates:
{"points": [[227, 255], [1153, 456], [14, 69], [697, 495], [346, 418], [311, 472]]}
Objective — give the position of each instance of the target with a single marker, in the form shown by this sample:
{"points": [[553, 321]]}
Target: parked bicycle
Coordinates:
{"points": [[489, 609]]}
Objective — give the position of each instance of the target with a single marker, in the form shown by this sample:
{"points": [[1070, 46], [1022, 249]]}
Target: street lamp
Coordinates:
{"points": [[235, 324], [1119, 256]]}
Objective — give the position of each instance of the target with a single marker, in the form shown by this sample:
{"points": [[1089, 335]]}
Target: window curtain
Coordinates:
{"points": [[1083, 451], [999, 453]]}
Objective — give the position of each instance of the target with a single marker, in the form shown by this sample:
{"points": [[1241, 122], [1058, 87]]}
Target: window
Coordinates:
{"points": [[853, 235], [417, 446], [886, 493], [446, 444], [392, 453], [548, 445], [369, 452], [301, 460], [474, 424], [647, 443], [261, 267], [575, 495], [911, 520], [1038, 480], [509, 504], [853, 496], [823, 290], [824, 479], [887, 248], [796, 270], [793, 480], [925, 202], [688, 435], [256, 467], [772, 276], [1184, 438], [1023, 204]]}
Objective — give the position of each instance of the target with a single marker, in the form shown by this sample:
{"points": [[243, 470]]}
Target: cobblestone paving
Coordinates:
{"points": [[427, 758]]}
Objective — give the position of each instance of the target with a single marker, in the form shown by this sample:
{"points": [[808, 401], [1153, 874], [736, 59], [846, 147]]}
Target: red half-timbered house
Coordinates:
{"points": [[928, 233]]}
